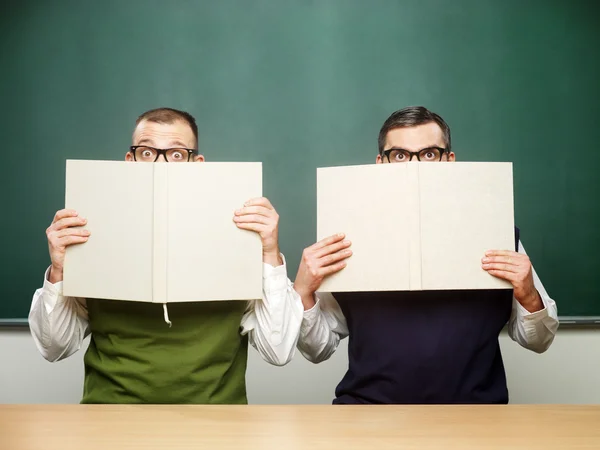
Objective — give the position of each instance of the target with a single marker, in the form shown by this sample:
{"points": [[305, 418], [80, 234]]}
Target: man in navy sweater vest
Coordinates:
{"points": [[427, 346]]}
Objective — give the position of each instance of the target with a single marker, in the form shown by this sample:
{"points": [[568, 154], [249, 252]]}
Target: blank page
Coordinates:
{"points": [[117, 200], [209, 258], [466, 209], [370, 205]]}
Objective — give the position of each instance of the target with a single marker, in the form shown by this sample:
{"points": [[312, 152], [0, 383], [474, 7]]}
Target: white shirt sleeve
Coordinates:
{"points": [[534, 331], [323, 326], [273, 322], [58, 324]]}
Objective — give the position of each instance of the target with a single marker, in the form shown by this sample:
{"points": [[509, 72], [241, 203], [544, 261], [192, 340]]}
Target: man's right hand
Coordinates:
{"points": [[62, 233], [324, 258]]}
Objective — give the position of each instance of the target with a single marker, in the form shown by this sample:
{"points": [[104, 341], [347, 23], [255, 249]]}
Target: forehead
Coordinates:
{"points": [[415, 138], [164, 135]]}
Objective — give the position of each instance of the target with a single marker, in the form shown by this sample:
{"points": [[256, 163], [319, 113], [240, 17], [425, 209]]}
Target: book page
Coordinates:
{"points": [[117, 200], [209, 258], [370, 204], [466, 209]]}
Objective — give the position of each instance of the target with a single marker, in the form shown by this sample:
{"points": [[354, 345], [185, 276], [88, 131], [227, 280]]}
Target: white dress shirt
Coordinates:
{"points": [[59, 324], [324, 324]]}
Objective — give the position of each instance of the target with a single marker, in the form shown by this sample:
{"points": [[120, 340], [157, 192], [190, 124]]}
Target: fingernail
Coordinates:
{"points": [[346, 242], [237, 211], [485, 266], [485, 260], [340, 234]]}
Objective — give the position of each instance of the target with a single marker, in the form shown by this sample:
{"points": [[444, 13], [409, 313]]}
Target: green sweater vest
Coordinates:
{"points": [[134, 357]]}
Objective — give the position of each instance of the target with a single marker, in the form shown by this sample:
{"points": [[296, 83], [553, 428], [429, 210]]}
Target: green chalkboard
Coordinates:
{"points": [[301, 84]]}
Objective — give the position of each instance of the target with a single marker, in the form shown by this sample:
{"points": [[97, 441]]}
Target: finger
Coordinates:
{"points": [[260, 210], [332, 248], [501, 259], [508, 276], [327, 241], [259, 228], [72, 240], [63, 213], [331, 259], [259, 201], [501, 253], [333, 268], [252, 218], [72, 232], [502, 267], [68, 222]]}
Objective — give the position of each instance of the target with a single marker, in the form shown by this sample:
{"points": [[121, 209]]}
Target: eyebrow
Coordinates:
{"points": [[421, 149], [172, 144]]}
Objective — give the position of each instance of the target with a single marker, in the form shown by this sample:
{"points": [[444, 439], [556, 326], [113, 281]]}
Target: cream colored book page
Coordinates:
{"points": [[466, 209], [209, 258], [370, 205], [117, 200]]}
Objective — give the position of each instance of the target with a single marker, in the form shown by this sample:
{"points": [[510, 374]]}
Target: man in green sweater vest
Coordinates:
{"points": [[133, 355]]}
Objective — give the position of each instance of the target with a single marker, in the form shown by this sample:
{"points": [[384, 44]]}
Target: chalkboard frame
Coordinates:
{"points": [[564, 321]]}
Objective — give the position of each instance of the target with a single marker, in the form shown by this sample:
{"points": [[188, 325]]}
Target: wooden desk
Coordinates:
{"points": [[78, 427]]}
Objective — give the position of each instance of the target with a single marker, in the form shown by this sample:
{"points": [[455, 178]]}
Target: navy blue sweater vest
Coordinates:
{"points": [[425, 347]]}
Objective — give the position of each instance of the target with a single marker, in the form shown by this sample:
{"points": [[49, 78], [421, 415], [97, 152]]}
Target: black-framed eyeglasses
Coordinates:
{"points": [[429, 154], [143, 153]]}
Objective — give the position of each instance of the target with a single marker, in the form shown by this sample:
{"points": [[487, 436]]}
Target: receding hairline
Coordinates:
{"points": [[181, 142], [169, 116]]}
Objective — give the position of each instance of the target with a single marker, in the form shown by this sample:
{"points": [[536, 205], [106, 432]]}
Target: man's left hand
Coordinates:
{"points": [[516, 268], [259, 215]]}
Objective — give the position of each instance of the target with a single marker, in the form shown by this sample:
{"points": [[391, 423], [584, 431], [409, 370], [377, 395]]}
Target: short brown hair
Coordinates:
{"points": [[168, 116], [411, 116]]}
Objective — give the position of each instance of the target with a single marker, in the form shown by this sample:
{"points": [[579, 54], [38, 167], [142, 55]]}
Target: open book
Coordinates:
{"points": [[417, 226], [163, 232]]}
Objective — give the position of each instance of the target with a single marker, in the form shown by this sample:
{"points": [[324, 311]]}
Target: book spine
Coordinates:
{"points": [[414, 242], [161, 233]]}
